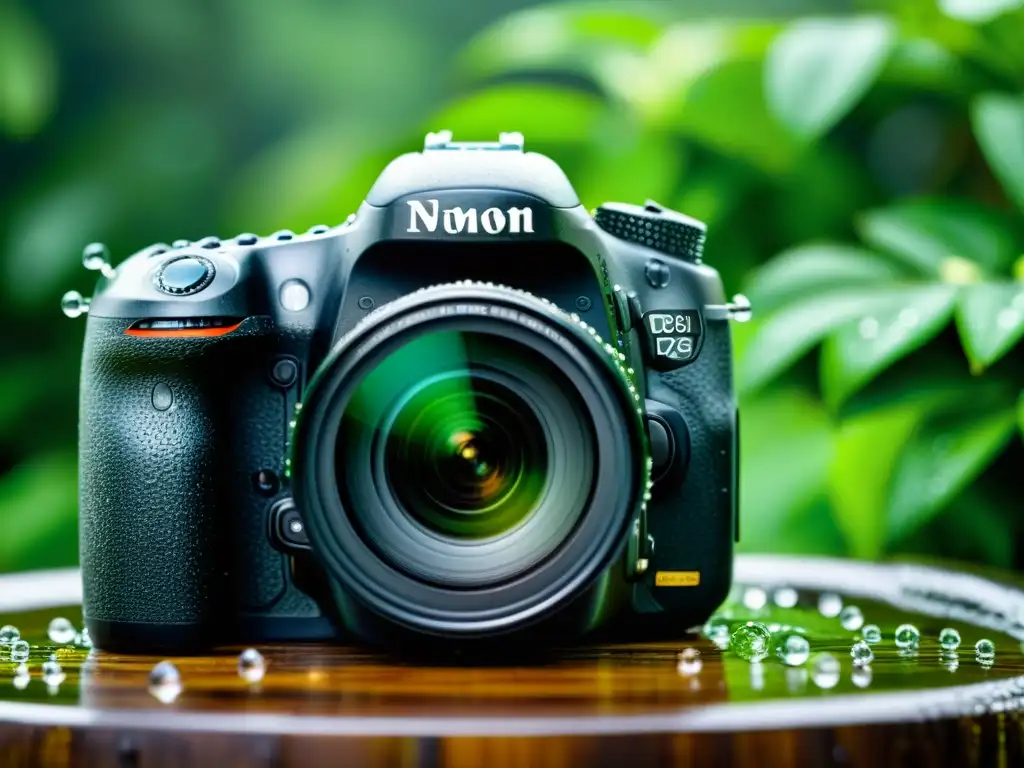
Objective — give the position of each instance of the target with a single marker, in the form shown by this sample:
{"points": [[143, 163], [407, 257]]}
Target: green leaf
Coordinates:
{"points": [[726, 111], [788, 334], [815, 269], [999, 126], [42, 496], [1020, 413], [866, 449], [781, 490], [927, 233], [858, 351], [977, 11], [633, 169], [944, 456], [974, 528], [28, 75], [818, 69], [990, 318]]}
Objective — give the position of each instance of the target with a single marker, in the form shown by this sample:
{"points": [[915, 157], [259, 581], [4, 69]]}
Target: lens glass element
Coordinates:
{"points": [[474, 452]]}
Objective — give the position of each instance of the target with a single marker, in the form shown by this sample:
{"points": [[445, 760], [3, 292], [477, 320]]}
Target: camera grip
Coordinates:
{"points": [[151, 439]]}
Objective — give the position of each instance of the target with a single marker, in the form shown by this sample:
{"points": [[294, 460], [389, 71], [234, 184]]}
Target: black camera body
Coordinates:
{"points": [[472, 413]]}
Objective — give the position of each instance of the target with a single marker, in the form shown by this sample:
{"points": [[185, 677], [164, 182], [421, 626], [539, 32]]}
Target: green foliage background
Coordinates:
{"points": [[860, 166]]}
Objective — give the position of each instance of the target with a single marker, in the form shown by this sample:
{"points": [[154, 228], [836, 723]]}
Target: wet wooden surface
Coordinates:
{"points": [[610, 705]]}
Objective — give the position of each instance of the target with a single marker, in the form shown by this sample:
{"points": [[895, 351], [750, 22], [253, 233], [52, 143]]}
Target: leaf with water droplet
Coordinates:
{"points": [[818, 69], [814, 270], [977, 11], [946, 454], [926, 232], [998, 121], [990, 319], [787, 335], [913, 317]]}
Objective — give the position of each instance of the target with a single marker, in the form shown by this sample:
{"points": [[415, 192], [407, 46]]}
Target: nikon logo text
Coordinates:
{"points": [[493, 221]]}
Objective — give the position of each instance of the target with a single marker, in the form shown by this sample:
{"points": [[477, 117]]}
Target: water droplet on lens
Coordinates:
{"points": [[985, 650], [861, 676], [907, 636], [851, 618], [755, 598], [794, 650], [8, 634], [165, 682], [251, 665], [862, 654], [52, 672], [825, 670], [61, 631], [830, 604], [19, 650], [869, 328], [871, 634], [949, 639], [786, 597], [751, 641], [689, 662]]}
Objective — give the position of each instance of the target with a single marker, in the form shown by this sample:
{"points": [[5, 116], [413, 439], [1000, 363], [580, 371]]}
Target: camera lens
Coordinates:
{"points": [[465, 457], [468, 460]]}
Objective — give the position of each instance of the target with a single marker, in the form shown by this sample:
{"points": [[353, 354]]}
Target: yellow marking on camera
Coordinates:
{"points": [[677, 579]]}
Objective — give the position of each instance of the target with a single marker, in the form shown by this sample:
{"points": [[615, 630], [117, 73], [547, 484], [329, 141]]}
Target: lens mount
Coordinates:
{"points": [[468, 459]]}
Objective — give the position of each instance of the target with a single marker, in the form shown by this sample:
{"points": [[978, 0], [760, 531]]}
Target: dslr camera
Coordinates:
{"points": [[473, 414]]}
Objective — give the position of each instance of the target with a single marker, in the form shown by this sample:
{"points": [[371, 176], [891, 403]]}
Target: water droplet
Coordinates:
{"points": [[786, 597], [949, 639], [8, 634], [21, 669], [868, 328], [19, 650], [755, 598], [165, 682], [251, 665], [61, 631], [1008, 319], [861, 676], [794, 650], [751, 641], [862, 654], [985, 650], [908, 317], [21, 681], [52, 672], [825, 670], [689, 662], [717, 631], [830, 604], [851, 618], [95, 256], [907, 636], [84, 640], [950, 660], [871, 634]]}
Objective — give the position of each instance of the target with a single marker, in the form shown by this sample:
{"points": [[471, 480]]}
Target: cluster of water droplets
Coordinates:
{"points": [[165, 683], [18, 651]]}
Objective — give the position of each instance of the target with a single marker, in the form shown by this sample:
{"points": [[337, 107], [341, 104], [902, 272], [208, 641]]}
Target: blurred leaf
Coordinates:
{"points": [[990, 318], [788, 334], [926, 64], [28, 74], [944, 455], [865, 451], [632, 169], [977, 11], [999, 126], [1020, 413], [38, 508], [814, 269], [785, 453], [975, 529], [858, 351], [926, 233], [725, 110], [818, 69]]}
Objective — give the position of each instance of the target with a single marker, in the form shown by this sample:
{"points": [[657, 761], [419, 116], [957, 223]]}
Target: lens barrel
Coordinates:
{"points": [[468, 459]]}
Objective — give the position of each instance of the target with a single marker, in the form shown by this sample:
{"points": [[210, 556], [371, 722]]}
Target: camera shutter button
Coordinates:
{"points": [[184, 275]]}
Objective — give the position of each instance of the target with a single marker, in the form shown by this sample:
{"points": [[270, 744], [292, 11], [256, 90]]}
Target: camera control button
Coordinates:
{"points": [[655, 227], [661, 445], [185, 275]]}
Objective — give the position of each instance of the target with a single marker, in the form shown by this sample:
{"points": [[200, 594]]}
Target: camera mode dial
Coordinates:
{"points": [[184, 275], [654, 226]]}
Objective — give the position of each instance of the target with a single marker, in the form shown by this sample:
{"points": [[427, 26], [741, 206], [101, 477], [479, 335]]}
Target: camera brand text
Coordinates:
{"points": [[493, 221]]}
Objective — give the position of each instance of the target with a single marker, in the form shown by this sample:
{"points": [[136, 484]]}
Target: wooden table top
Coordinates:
{"points": [[605, 705]]}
